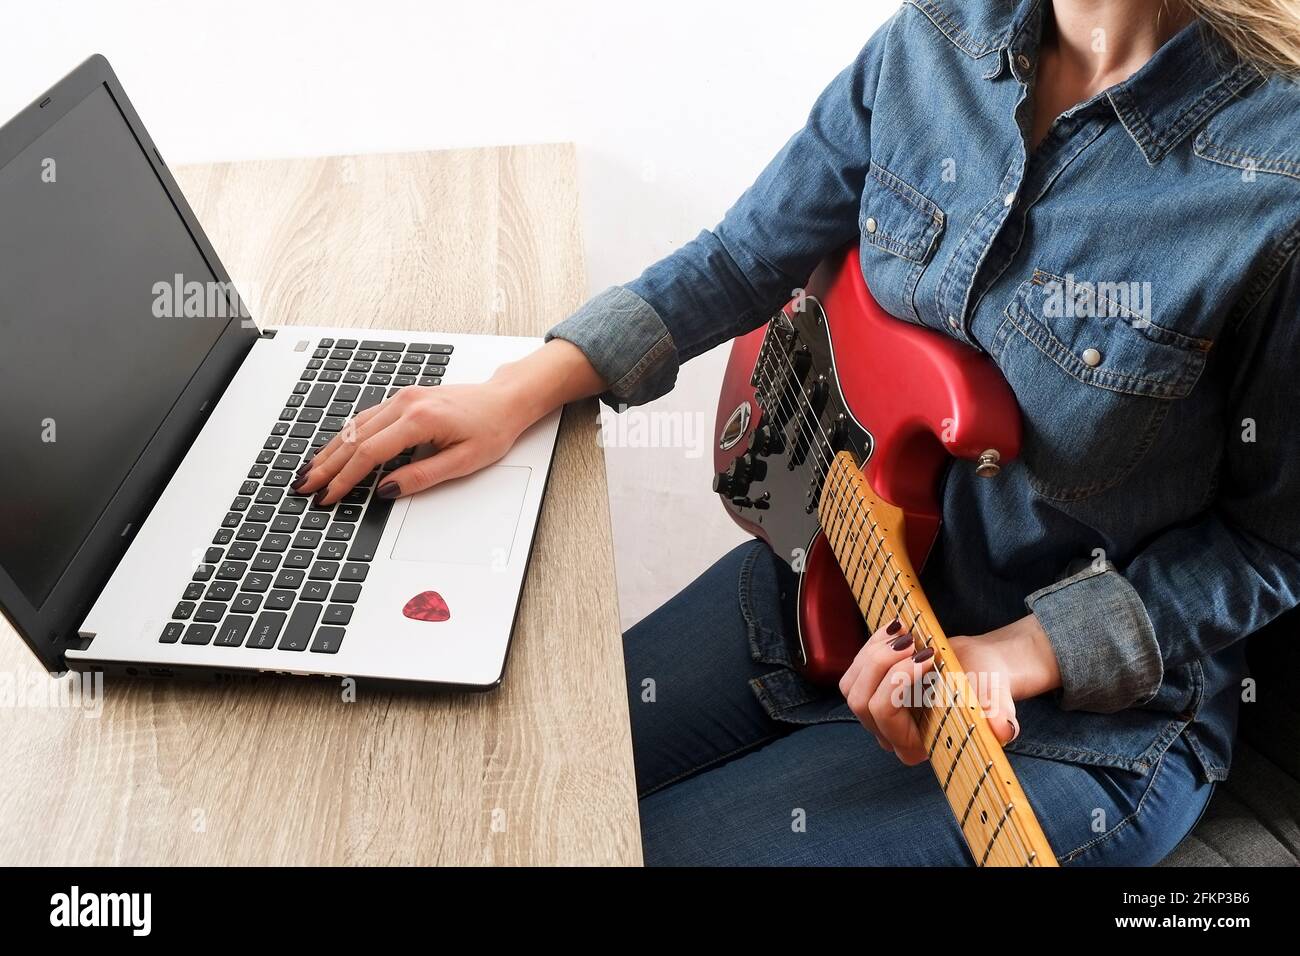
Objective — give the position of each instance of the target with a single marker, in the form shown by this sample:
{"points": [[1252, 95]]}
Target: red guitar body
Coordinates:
{"points": [[834, 371]]}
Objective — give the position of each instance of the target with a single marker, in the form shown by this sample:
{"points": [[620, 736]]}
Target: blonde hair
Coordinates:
{"points": [[1264, 32]]}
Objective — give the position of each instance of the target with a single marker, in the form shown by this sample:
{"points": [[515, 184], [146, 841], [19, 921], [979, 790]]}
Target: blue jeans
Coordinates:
{"points": [[724, 782]]}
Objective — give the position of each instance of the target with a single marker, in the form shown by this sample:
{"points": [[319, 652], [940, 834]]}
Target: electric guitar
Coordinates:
{"points": [[835, 423]]}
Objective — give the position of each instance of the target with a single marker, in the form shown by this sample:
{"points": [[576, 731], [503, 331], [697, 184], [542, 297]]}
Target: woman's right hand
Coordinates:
{"points": [[469, 426]]}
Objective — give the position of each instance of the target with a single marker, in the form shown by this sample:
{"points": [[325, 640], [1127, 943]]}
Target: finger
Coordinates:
{"points": [[891, 706], [368, 455], [453, 462], [882, 638], [348, 435], [322, 471], [1002, 719], [878, 658]]}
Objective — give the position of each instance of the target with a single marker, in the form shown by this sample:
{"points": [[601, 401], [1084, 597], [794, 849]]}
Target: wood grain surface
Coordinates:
{"points": [[288, 772]]}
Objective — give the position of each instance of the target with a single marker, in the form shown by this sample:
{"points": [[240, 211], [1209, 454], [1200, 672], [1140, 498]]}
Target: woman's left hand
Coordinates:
{"points": [[1004, 665]]}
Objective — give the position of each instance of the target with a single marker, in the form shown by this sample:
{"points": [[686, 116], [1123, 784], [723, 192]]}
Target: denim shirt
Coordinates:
{"points": [[1134, 277]]}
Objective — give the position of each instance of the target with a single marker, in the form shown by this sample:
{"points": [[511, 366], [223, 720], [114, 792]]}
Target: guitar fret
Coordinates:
{"points": [[970, 732], [939, 732], [996, 833], [975, 793]]}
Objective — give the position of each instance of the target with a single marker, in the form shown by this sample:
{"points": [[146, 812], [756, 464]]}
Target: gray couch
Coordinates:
{"points": [[1254, 818]]}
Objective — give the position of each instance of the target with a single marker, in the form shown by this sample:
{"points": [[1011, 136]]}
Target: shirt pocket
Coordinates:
{"points": [[1095, 381], [900, 230]]}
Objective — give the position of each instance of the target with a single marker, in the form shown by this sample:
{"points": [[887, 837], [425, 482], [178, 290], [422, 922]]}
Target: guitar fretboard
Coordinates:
{"points": [[866, 534]]}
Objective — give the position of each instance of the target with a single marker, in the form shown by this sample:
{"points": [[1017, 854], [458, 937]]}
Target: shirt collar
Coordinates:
{"points": [[1187, 80]]}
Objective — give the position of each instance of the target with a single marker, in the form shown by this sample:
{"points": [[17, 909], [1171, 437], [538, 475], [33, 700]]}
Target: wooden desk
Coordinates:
{"points": [[283, 772]]}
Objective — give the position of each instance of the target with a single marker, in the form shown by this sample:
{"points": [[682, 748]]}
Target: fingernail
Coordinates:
{"points": [[894, 626], [1015, 728], [901, 642], [389, 489], [319, 500], [303, 468], [923, 655], [298, 482]]}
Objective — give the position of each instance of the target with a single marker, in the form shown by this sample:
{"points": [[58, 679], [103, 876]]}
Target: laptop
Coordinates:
{"points": [[149, 433]]}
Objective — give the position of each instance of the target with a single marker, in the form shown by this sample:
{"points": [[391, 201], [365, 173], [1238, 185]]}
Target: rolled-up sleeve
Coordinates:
{"points": [[731, 279], [1200, 586]]}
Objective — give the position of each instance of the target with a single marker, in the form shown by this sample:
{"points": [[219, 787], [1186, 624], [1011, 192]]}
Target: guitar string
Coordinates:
{"points": [[819, 449]]}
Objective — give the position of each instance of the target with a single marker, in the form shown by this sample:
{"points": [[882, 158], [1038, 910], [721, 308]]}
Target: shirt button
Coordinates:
{"points": [[1024, 63], [1008, 199], [870, 224], [1091, 358]]}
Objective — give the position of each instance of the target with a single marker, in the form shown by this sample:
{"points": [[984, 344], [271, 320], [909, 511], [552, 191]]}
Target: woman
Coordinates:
{"points": [[987, 153]]}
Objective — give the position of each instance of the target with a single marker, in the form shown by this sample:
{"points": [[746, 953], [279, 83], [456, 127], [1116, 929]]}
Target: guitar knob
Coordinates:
{"points": [[768, 441]]}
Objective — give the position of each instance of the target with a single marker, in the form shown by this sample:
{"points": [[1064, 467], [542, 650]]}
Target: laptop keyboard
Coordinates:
{"points": [[282, 572]]}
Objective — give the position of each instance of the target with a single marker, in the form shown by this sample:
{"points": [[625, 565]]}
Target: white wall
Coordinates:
{"points": [[675, 106]]}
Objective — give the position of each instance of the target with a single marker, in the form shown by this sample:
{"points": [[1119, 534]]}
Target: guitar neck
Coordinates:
{"points": [[866, 534]]}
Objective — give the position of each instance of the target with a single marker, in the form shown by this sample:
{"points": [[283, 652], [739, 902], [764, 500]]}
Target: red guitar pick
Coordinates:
{"points": [[427, 606]]}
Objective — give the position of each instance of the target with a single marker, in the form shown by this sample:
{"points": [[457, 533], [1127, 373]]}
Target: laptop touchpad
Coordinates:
{"points": [[468, 520]]}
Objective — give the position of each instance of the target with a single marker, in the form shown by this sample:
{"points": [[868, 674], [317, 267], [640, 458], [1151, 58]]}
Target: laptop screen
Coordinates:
{"points": [[98, 330]]}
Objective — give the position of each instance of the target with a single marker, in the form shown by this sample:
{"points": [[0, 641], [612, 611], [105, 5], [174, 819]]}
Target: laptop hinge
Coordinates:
{"points": [[266, 333]]}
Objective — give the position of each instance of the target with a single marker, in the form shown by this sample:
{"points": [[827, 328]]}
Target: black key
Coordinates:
{"points": [[307, 539], [203, 572], [272, 443], [340, 409], [311, 415], [284, 524], [427, 382], [210, 611], [322, 439], [331, 376], [269, 496], [267, 629], [248, 488], [241, 551], [287, 462], [289, 578], [337, 614], [436, 360], [315, 521], [371, 395], [354, 378], [276, 542], [403, 380], [347, 393], [344, 354], [324, 570], [298, 559], [347, 343], [347, 513], [390, 357], [240, 504], [199, 633], [246, 603], [212, 555], [193, 591], [314, 363], [293, 401], [251, 532], [354, 572], [302, 430], [302, 388], [328, 640], [332, 424], [279, 600], [278, 479], [385, 368], [183, 610], [233, 519], [321, 353], [308, 375], [294, 446], [298, 631], [370, 529], [316, 591], [233, 630], [339, 532], [263, 513], [409, 370], [365, 357], [419, 347], [171, 633], [346, 593], [336, 365], [232, 570], [356, 496], [383, 346], [288, 414], [294, 505], [221, 590], [393, 391], [265, 562], [257, 471], [333, 551], [223, 536], [379, 379], [278, 429], [257, 581]]}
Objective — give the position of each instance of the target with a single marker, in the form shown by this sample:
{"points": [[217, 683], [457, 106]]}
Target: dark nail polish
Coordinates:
{"points": [[303, 468], [319, 500], [298, 482], [1015, 728], [894, 626], [388, 489], [901, 642], [923, 655]]}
